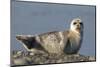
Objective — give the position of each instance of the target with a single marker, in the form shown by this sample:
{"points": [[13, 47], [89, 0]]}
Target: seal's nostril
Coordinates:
{"points": [[78, 25]]}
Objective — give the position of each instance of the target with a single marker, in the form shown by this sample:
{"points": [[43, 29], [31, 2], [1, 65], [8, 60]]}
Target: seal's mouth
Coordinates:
{"points": [[78, 29]]}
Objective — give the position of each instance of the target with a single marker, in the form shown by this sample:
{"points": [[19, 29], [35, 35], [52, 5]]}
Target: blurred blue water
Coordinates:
{"points": [[35, 18]]}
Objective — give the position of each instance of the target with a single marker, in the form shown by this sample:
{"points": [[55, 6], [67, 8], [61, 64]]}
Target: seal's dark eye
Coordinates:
{"points": [[81, 23], [74, 23]]}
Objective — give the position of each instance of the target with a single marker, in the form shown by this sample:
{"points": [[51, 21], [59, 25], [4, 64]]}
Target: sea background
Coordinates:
{"points": [[29, 18]]}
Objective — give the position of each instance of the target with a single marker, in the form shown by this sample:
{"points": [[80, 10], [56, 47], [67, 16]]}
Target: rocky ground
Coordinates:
{"points": [[29, 58]]}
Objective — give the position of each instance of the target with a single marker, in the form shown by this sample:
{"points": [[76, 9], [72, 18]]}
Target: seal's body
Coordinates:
{"points": [[57, 41]]}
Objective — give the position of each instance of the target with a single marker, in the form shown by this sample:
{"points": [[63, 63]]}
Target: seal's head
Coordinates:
{"points": [[77, 25]]}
